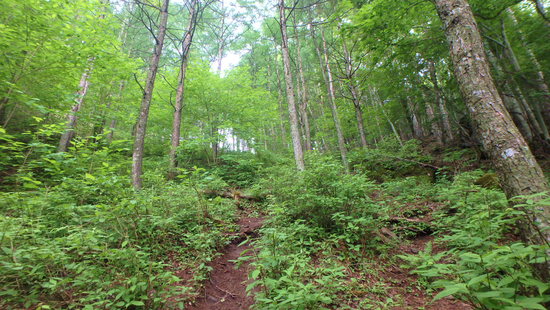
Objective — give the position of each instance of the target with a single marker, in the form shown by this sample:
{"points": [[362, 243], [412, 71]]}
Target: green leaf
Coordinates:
{"points": [[89, 176], [477, 280], [489, 294], [137, 303], [460, 287]]}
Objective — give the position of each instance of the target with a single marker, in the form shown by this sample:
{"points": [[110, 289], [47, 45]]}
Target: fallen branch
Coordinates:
{"points": [[221, 289], [233, 195]]}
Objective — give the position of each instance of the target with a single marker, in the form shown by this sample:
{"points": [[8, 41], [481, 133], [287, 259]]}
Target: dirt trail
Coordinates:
{"points": [[226, 287]]}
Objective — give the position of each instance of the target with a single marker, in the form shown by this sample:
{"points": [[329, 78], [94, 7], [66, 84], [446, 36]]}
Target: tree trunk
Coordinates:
{"points": [[417, 128], [139, 137], [512, 105], [541, 10], [67, 135], [281, 110], [294, 132], [332, 104], [354, 97], [448, 133], [178, 105], [533, 113], [376, 99], [516, 168], [304, 102], [540, 85]]}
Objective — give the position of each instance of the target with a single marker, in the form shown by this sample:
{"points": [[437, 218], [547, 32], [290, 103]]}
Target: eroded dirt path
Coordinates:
{"points": [[226, 287]]}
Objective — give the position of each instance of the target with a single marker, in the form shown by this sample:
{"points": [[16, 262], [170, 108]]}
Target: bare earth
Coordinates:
{"points": [[226, 287]]}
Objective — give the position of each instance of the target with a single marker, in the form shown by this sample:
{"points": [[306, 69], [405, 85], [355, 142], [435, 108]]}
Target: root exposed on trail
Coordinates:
{"points": [[225, 289]]}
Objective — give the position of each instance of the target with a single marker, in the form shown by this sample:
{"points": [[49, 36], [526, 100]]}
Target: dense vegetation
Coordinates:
{"points": [[348, 124]]}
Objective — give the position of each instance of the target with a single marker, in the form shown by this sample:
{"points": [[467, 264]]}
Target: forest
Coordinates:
{"points": [[253, 154]]}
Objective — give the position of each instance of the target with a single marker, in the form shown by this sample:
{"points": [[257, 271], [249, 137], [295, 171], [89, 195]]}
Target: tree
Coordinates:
{"points": [[517, 169], [139, 138], [294, 132], [178, 106]]}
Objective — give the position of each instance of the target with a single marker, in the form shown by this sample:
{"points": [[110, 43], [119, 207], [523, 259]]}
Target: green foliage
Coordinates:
{"points": [[479, 268], [318, 193], [390, 160], [73, 234], [284, 269], [239, 169]]}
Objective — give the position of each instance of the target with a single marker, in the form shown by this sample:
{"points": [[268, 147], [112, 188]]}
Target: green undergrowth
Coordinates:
{"points": [[74, 235], [331, 237]]}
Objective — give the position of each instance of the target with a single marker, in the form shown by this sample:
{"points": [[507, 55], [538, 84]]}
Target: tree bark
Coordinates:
{"points": [[512, 105], [354, 97], [332, 104], [281, 110], [67, 135], [417, 128], [533, 113], [294, 132], [141, 123], [448, 133], [516, 168], [304, 102], [541, 10], [540, 84], [178, 105]]}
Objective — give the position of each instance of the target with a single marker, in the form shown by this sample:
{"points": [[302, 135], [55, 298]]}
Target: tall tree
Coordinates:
{"points": [[178, 105], [332, 103], [303, 92], [294, 132], [517, 169], [139, 137]]}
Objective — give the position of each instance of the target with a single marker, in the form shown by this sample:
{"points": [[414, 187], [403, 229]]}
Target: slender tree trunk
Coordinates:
{"points": [[512, 105], [281, 110], [112, 123], [417, 128], [354, 97], [376, 98], [541, 10], [294, 132], [141, 124], [304, 101], [540, 84], [448, 132], [532, 112], [300, 112], [178, 105], [67, 135], [332, 104], [516, 168]]}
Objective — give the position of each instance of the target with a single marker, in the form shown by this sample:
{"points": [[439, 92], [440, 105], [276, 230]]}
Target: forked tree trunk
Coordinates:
{"points": [[516, 168], [294, 132], [141, 123], [354, 97], [178, 105]]}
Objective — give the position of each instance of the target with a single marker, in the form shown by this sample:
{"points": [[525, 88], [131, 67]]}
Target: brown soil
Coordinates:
{"points": [[226, 287]]}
